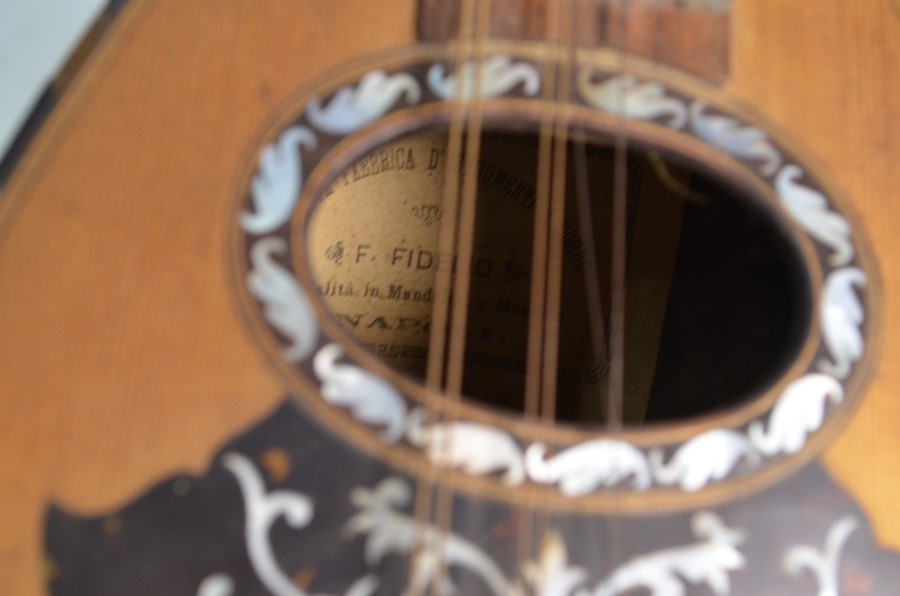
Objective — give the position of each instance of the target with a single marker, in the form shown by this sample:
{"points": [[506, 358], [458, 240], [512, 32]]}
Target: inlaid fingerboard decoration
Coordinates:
{"points": [[318, 498]]}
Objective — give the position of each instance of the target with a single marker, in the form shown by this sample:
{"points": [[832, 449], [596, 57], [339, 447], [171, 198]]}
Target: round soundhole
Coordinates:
{"points": [[717, 301]]}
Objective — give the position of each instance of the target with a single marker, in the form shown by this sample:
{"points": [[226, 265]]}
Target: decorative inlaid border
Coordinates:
{"points": [[641, 469], [272, 516]]}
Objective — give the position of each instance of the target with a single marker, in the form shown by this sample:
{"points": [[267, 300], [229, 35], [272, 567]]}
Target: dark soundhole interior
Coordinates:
{"points": [[717, 302]]}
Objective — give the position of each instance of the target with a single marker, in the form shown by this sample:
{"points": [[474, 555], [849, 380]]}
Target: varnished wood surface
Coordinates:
{"points": [[689, 36], [123, 356], [828, 75]]}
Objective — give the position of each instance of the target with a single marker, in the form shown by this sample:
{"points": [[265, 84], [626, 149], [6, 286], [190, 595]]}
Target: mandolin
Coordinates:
{"points": [[514, 297]]}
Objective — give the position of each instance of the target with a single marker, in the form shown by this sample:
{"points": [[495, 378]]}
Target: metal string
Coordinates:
{"points": [[434, 375], [463, 257], [616, 379], [546, 282]]}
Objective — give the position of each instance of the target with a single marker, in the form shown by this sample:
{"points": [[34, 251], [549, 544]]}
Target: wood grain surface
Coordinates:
{"points": [[124, 358], [689, 36], [828, 75]]}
